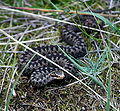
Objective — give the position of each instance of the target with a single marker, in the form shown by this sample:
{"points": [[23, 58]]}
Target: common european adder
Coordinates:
{"points": [[40, 71]]}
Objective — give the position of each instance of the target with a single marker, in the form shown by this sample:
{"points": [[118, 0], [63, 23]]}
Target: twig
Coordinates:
{"points": [[111, 4], [62, 11], [29, 41], [117, 22], [20, 26], [113, 44], [17, 27], [7, 67], [36, 29], [21, 52], [52, 19], [44, 33], [29, 31]]}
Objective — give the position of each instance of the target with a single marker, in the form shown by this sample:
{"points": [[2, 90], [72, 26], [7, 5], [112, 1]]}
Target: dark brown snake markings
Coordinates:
{"points": [[41, 71]]}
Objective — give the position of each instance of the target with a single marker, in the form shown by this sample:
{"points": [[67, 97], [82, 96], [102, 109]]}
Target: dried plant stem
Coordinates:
{"points": [[52, 19], [62, 11], [29, 41]]}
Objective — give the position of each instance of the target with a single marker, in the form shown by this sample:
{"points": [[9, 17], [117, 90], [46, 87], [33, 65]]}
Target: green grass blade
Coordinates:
{"points": [[109, 91], [96, 80], [100, 61], [53, 4]]}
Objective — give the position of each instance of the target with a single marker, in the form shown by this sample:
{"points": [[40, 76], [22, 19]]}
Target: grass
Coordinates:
{"points": [[96, 88]]}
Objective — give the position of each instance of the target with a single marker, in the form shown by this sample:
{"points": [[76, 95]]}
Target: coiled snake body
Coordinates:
{"points": [[40, 70]]}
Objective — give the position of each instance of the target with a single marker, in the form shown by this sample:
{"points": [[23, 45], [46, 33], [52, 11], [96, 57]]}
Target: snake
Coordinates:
{"points": [[40, 71]]}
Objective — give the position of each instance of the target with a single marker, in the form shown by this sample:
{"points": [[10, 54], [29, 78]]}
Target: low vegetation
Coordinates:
{"points": [[97, 84]]}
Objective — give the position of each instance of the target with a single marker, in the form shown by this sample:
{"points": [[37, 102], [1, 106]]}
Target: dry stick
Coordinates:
{"points": [[21, 52], [36, 29], [117, 22], [57, 66], [29, 31], [44, 33], [52, 19], [29, 41], [118, 47], [7, 66], [20, 26], [62, 11]]}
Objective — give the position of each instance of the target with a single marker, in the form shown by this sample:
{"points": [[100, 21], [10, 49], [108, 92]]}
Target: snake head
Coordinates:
{"points": [[41, 79], [57, 75]]}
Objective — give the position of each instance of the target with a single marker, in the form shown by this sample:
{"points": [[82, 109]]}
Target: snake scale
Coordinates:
{"points": [[40, 71]]}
